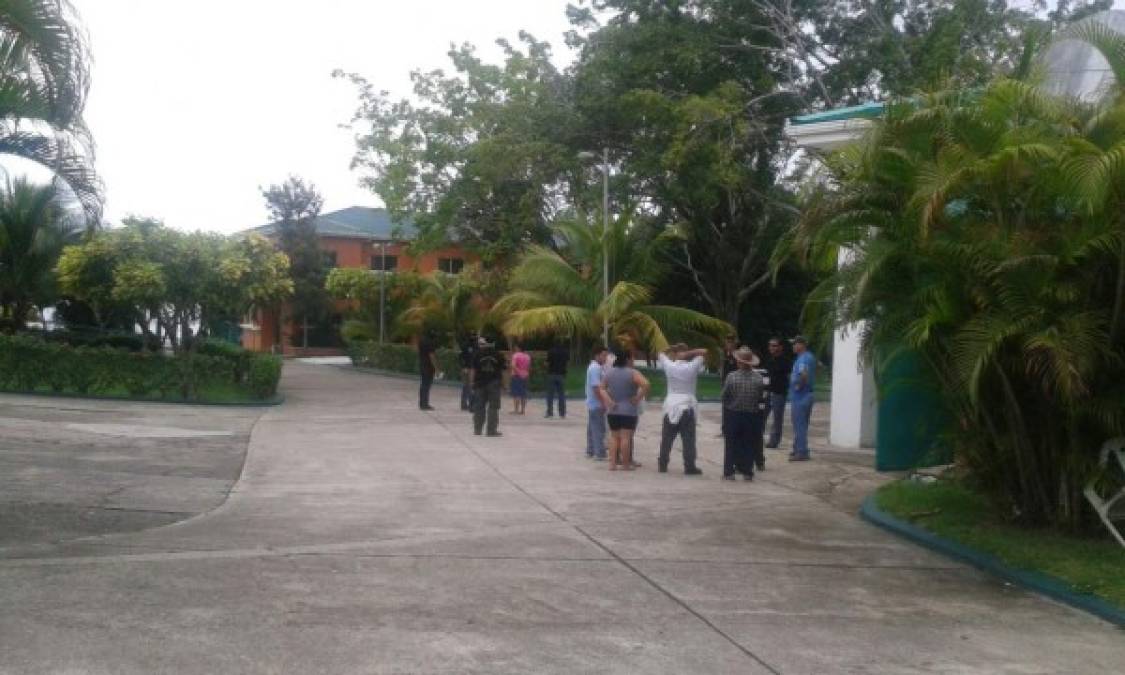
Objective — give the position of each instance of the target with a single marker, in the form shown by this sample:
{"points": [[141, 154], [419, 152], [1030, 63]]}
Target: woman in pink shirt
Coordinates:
{"points": [[521, 371]]}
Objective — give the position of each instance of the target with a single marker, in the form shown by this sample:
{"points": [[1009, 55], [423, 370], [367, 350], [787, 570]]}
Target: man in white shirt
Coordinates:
{"points": [[682, 367]]}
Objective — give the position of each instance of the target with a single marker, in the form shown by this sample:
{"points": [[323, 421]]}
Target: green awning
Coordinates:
{"points": [[863, 111]]}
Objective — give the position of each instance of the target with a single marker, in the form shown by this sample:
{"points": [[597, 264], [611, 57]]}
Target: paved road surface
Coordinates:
{"points": [[365, 536]]}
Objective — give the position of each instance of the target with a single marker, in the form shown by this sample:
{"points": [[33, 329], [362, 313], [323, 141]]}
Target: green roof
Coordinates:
{"points": [[358, 222], [864, 111]]}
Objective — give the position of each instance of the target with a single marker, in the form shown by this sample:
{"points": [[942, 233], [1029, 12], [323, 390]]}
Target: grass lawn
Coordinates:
{"points": [[1089, 565], [220, 394]]}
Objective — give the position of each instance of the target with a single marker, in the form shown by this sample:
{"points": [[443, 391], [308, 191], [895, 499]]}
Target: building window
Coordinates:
{"points": [[377, 263], [329, 258], [451, 265]]}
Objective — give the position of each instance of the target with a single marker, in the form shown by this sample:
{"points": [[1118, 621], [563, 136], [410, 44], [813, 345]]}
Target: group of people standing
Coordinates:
{"points": [[753, 393], [615, 394]]}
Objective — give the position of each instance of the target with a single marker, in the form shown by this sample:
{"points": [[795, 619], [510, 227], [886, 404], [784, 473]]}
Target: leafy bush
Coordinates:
{"points": [[31, 364], [75, 338], [239, 356], [264, 373], [355, 330]]}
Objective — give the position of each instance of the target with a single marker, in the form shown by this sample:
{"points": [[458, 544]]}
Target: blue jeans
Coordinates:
{"points": [[777, 413], [556, 384], [801, 413], [595, 433]]}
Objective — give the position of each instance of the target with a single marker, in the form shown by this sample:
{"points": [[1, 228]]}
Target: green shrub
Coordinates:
{"points": [[74, 338], [235, 353], [355, 330], [264, 374], [31, 364]]}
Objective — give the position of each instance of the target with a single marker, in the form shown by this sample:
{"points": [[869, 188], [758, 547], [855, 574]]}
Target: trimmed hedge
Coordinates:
{"points": [[29, 364], [402, 358]]}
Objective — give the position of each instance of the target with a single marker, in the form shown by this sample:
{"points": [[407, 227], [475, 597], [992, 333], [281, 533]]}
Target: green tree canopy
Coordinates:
{"points": [[481, 158], [177, 280], [293, 207]]}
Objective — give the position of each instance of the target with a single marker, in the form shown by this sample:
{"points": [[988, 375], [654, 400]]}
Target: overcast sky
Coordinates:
{"points": [[194, 105]]}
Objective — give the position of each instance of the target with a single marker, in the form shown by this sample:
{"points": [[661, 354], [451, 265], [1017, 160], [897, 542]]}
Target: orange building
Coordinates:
{"points": [[358, 237]]}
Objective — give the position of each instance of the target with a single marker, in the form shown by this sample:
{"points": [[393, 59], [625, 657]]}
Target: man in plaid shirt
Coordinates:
{"points": [[743, 419]]}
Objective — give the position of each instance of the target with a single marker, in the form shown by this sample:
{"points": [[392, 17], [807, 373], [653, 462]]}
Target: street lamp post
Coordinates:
{"points": [[605, 235], [382, 290], [605, 243]]}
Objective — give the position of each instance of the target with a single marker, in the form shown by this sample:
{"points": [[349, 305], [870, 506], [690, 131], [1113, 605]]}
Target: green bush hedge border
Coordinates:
{"points": [[30, 365]]}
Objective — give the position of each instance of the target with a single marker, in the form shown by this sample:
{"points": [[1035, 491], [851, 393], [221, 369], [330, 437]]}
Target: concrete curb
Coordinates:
{"points": [[1050, 586], [276, 400]]}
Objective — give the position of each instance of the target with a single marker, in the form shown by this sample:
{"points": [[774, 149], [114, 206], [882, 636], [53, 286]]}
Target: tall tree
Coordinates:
{"points": [[44, 78], [694, 121], [480, 156], [293, 206]]}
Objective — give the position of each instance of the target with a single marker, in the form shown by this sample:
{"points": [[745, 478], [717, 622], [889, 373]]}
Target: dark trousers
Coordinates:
{"points": [[685, 428], [742, 442], [556, 385], [424, 389], [466, 391], [486, 397], [777, 417]]}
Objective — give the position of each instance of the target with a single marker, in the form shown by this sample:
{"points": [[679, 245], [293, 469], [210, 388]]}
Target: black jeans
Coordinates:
{"points": [[685, 428], [424, 389], [556, 384], [486, 398], [466, 391], [742, 444]]}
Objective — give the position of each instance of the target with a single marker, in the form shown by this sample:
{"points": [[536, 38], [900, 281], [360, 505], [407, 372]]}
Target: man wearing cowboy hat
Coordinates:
{"points": [[743, 420], [680, 405]]}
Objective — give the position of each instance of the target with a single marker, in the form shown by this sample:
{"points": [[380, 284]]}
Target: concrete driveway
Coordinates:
{"points": [[366, 536]]}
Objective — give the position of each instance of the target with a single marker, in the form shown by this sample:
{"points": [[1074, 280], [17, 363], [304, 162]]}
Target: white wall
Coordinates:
{"points": [[854, 399]]}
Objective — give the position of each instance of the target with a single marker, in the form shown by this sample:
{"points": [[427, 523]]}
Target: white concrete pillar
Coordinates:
{"points": [[855, 402], [854, 398]]}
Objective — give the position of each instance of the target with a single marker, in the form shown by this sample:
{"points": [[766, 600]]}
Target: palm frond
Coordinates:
{"points": [[552, 320]]}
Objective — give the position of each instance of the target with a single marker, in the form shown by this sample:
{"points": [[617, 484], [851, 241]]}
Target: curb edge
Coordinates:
{"points": [[1047, 585]]}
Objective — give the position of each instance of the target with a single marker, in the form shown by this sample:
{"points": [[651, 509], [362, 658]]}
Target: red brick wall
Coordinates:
{"points": [[353, 253]]}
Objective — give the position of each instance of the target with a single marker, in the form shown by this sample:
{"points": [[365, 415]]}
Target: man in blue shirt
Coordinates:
{"points": [[595, 424], [801, 381]]}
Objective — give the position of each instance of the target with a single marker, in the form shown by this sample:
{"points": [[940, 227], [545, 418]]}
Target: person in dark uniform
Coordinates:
{"points": [[726, 366], [778, 367], [558, 358], [428, 367], [468, 347], [485, 377]]}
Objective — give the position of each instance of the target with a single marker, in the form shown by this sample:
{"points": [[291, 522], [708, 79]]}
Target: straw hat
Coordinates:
{"points": [[747, 356]]}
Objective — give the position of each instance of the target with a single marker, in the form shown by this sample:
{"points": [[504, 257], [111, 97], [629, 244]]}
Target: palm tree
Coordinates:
{"points": [[445, 303], [986, 236], [44, 78], [560, 293], [33, 231]]}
